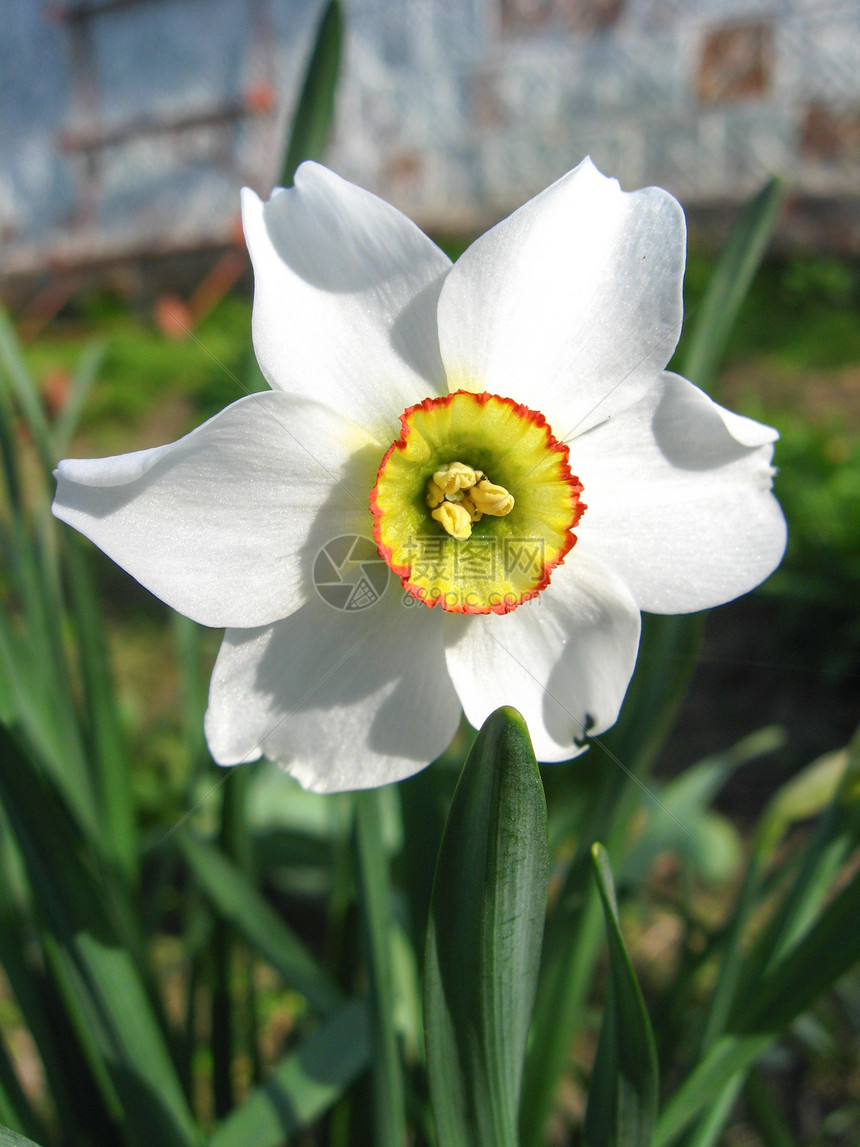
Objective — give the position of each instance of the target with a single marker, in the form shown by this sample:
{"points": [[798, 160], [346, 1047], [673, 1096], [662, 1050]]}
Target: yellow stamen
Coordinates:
{"points": [[459, 495], [435, 494], [454, 477], [454, 519], [473, 511], [492, 499]]}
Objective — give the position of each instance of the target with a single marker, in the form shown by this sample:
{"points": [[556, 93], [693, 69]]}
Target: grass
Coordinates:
{"points": [[151, 388]]}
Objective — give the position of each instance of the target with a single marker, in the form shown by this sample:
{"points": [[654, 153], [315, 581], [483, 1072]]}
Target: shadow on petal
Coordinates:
{"points": [[345, 512], [415, 337], [373, 678], [689, 431]]}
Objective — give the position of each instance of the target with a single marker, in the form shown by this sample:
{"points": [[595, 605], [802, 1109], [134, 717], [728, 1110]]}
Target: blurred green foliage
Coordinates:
{"points": [[793, 361], [144, 372], [802, 310]]}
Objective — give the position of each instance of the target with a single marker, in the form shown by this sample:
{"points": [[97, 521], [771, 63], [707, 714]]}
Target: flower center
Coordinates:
{"points": [[480, 535], [458, 495]]}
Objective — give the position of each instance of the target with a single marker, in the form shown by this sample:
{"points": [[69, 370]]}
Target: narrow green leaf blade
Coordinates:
{"points": [[712, 1123], [830, 947], [83, 380], [729, 284], [765, 1114], [234, 897], [103, 989], [304, 1084], [728, 1056], [622, 1103], [742, 968], [67, 1080], [484, 938], [14, 1107], [684, 801], [389, 1098], [667, 655], [315, 111], [832, 781], [15, 375], [9, 453], [112, 780]]}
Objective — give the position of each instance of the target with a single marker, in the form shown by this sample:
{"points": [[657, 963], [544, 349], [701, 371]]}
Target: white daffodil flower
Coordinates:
{"points": [[502, 432]]}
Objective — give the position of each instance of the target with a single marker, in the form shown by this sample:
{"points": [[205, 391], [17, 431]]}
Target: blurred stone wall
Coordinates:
{"points": [[127, 126], [461, 114]]}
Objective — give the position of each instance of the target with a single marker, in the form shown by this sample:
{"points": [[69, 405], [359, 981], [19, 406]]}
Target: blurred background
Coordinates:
{"points": [[127, 128], [127, 125]]}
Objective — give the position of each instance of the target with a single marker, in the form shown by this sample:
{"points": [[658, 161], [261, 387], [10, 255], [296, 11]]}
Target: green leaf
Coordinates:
{"points": [[235, 899], [484, 938], [67, 1079], [713, 1120], [622, 1101], [88, 951], [112, 781], [83, 380], [623, 758], [765, 1114], [678, 823], [232, 1010], [389, 1101], [810, 791], [41, 719], [14, 1107], [15, 376], [304, 1084], [830, 779], [741, 970], [729, 284], [829, 948], [9, 444], [194, 685], [315, 112]]}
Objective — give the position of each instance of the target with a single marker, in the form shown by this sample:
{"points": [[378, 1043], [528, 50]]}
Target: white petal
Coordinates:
{"points": [[224, 524], [745, 430], [573, 304], [345, 298], [564, 660], [679, 499], [340, 700]]}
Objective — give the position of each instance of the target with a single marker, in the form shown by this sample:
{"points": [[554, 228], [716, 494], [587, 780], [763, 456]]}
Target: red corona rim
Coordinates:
{"points": [[507, 560]]}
